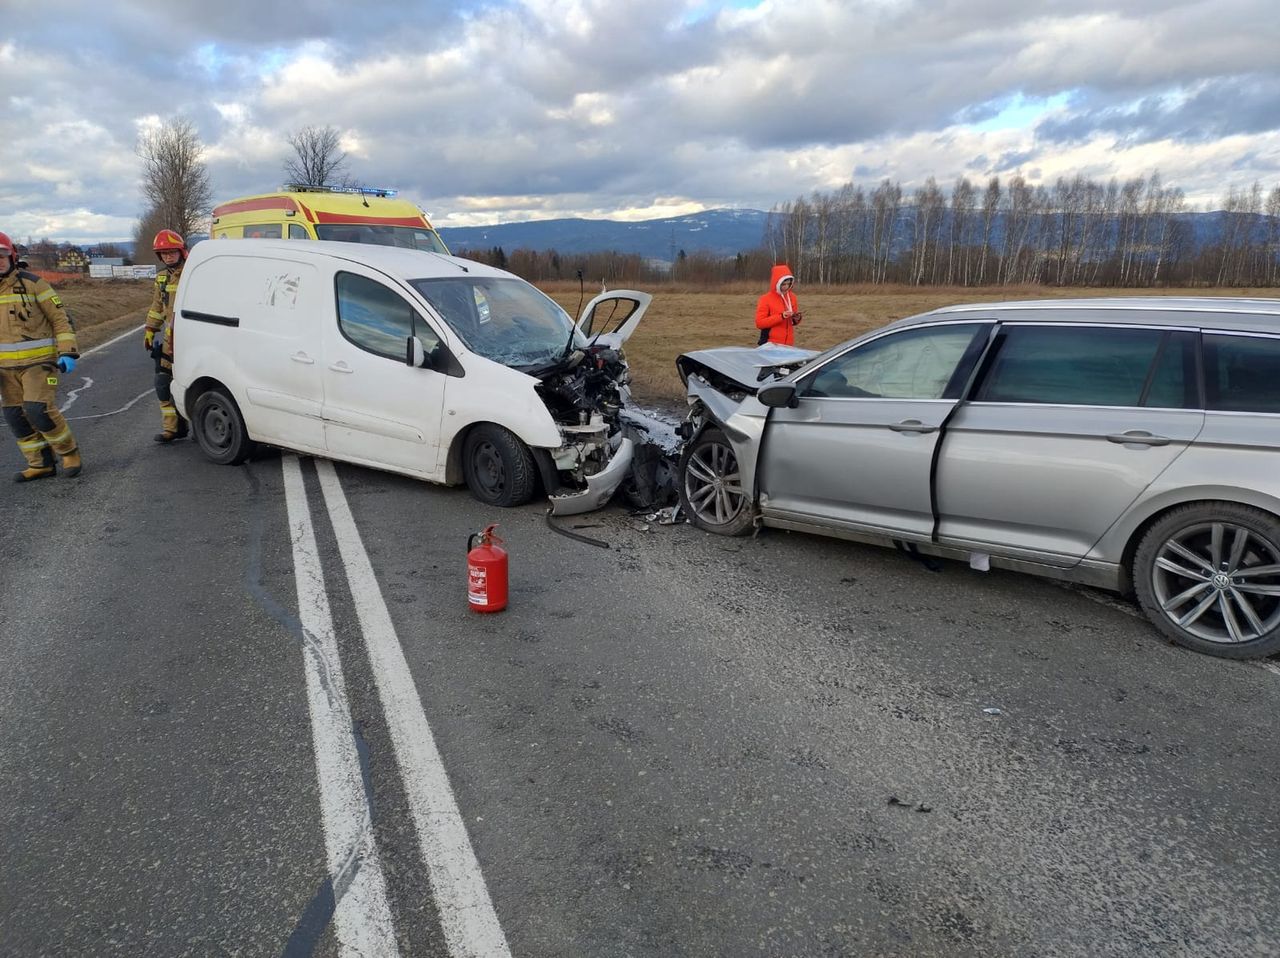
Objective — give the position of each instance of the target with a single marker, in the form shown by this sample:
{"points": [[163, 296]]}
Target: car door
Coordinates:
{"points": [[1067, 426], [857, 449], [378, 409]]}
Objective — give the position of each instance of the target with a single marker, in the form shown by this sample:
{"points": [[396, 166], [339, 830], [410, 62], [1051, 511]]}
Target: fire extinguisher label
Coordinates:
{"points": [[477, 585]]}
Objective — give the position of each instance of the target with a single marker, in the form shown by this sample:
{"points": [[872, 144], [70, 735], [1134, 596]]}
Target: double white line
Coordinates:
{"points": [[363, 922]]}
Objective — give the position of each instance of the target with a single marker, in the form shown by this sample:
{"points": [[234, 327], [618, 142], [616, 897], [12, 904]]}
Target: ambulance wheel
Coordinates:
{"points": [[498, 467], [219, 428]]}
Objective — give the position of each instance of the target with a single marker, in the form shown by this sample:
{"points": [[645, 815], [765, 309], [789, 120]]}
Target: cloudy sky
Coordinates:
{"points": [[629, 109]]}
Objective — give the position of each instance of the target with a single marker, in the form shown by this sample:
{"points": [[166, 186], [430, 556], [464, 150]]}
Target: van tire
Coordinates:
{"points": [[498, 467], [219, 428]]}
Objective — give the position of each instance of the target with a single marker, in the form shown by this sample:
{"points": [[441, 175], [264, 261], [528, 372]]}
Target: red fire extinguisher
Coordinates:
{"points": [[486, 572]]}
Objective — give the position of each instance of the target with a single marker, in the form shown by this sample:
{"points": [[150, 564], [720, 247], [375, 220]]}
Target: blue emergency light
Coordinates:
{"points": [[358, 190]]}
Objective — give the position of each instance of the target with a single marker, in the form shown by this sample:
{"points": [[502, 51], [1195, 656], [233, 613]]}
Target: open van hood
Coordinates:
{"points": [[611, 318]]}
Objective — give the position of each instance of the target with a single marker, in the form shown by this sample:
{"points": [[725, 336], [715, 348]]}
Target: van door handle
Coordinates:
{"points": [[341, 367], [1138, 437], [301, 357], [912, 425]]}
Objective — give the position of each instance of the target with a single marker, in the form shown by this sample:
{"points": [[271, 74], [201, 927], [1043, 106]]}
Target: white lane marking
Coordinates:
{"points": [[1269, 666], [470, 924], [111, 342], [75, 394], [362, 913], [115, 412]]}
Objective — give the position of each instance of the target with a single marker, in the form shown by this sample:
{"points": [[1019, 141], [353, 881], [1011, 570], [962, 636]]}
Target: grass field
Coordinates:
{"points": [[681, 318]]}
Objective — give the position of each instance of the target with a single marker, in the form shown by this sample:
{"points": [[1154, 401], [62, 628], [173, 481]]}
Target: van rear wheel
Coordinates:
{"points": [[498, 467], [219, 428]]}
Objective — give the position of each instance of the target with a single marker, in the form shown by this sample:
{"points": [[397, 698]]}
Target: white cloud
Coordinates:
{"points": [[538, 108]]}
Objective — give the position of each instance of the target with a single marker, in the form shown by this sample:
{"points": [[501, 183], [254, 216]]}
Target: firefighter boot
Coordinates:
{"points": [[171, 424], [39, 459], [71, 463]]}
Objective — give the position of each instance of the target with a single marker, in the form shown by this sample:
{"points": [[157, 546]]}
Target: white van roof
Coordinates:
{"points": [[403, 264]]}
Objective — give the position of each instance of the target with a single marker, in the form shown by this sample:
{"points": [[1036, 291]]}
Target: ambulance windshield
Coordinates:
{"points": [[406, 237]]}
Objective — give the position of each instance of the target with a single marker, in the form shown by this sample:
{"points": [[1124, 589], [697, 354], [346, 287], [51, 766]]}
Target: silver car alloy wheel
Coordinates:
{"points": [[1219, 581], [713, 483]]}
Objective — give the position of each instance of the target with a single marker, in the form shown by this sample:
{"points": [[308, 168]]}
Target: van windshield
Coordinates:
{"points": [[407, 237], [505, 320]]}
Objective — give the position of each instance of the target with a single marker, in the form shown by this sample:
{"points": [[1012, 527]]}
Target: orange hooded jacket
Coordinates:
{"points": [[773, 304]]}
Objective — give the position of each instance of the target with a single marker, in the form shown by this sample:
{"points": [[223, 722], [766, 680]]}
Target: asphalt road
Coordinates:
{"points": [[247, 711]]}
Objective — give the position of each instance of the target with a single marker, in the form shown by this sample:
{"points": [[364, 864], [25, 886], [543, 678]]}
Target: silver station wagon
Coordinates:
{"points": [[1130, 444]]}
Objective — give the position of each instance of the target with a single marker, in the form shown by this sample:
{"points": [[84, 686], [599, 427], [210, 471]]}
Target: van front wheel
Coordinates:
{"points": [[219, 428], [498, 467]]}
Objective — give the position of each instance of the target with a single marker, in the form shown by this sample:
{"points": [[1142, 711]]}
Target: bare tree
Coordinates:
{"points": [[318, 158], [175, 182], [144, 232]]}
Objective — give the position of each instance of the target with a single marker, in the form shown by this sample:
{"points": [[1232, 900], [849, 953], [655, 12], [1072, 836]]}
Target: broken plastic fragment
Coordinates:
{"points": [[993, 711]]}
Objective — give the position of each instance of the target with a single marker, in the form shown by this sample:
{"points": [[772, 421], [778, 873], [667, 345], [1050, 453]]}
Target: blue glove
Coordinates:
{"points": [[66, 363]]}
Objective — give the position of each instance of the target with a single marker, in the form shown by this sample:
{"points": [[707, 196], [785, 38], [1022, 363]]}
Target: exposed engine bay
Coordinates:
{"points": [[608, 444]]}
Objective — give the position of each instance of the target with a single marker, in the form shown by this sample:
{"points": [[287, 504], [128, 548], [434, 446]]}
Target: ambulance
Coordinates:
{"points": [[346, 214]]}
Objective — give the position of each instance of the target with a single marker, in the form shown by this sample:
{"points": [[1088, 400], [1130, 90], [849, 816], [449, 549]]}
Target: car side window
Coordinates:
{"points": [[1087, 366], [931, 362], [298, 231], [1241, 373], [375, 318], [262, 231]]}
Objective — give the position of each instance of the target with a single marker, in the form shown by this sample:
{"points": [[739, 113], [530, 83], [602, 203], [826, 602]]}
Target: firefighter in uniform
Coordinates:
{"points": [[37, 342], [158, 338]]}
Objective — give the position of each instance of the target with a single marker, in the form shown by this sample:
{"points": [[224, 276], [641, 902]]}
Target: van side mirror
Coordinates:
{"points": [[779, 396], [414, 354]]}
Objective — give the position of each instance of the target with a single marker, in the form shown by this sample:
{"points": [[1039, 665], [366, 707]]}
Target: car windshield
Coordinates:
{"points": [[505, 320], [407, 237]]}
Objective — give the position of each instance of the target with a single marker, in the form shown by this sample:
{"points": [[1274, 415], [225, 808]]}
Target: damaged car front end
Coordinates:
{"points": [[724, 430], [576, 378]]}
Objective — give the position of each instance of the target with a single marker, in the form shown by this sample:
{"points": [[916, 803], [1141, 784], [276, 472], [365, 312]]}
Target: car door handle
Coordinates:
{"points": [[301, 357], [912, 425], [1138, 437], [341, 367]]}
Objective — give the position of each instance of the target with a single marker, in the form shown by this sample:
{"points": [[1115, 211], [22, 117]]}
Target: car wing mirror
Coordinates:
{"points": [[779, 395], [414, 353]]}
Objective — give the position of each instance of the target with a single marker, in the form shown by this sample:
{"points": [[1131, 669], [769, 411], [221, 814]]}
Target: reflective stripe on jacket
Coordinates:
{"points": [[160, 315], [34, 326]]}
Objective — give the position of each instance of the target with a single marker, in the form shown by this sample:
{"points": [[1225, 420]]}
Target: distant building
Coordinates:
{"points": [[72, 260]]}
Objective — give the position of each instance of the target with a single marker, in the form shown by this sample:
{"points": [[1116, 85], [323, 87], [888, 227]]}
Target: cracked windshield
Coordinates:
{"points": [[504, 320]]}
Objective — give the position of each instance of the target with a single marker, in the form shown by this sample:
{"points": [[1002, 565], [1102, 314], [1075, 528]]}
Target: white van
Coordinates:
{"points": [[413, 362]]}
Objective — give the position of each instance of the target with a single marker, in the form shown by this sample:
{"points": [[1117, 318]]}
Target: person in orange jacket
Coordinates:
{"points": [[778, 312]]}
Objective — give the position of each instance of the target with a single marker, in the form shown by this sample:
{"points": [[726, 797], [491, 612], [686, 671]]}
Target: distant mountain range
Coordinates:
{"points": [[721, 232]]}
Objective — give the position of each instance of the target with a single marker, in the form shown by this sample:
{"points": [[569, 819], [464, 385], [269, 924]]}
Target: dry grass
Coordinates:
{"points": [[684, 319], [101, 308]]}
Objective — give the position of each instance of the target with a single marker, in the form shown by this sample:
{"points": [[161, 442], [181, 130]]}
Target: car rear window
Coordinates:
{"points": [[1242, 373], [1092, 366]]}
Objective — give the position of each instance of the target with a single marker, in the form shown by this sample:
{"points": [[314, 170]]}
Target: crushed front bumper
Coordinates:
{"points": [[600, 487]]}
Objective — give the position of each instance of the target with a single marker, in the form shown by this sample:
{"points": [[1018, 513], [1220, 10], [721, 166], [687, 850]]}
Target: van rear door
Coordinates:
{"points": [[275, 377]]}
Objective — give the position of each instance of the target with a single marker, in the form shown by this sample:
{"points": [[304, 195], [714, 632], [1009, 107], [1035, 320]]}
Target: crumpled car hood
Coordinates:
{"points": [[744, 365]]}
